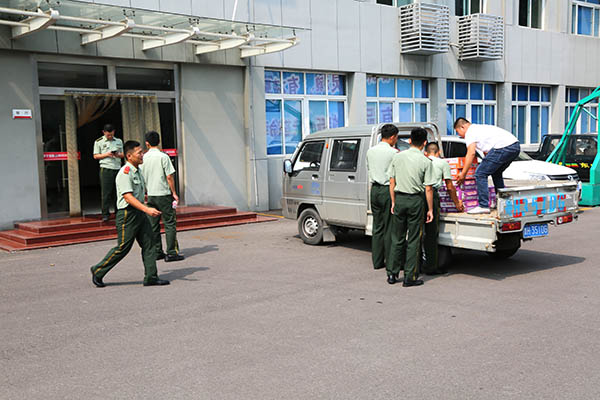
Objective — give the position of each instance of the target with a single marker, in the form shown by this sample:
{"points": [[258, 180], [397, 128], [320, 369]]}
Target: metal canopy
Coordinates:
{"points": [[97, 22]]}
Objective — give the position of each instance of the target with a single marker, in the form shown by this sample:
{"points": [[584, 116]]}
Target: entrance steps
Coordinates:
{"points": [[64, 231]]}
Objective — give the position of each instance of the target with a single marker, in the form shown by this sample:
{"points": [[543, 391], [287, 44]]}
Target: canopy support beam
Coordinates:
{"points": [[107, 32], [169, 39], [35, 23]]}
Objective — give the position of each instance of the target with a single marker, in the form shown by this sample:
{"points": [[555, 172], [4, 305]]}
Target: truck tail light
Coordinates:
{"points": [[564, 219], [511, 226]]}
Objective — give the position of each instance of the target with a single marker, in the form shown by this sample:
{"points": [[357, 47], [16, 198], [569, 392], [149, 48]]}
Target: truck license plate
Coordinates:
{"points": [[535, 230]]}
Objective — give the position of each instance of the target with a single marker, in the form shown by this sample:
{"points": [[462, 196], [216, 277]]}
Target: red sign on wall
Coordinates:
{"points": [[170, 152], [59, 156]]}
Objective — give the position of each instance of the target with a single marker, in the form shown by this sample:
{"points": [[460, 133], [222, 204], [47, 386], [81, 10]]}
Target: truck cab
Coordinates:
{"points": [[580, 154]]}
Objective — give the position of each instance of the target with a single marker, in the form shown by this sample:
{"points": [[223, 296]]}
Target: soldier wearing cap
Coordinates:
{"points": [[411, 174], [379, 158], [442, 175], [108, 149], [132, 223], [159, 177]]}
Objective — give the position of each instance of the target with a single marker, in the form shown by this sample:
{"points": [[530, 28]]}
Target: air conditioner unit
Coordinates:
{"points": [[424, 29], [480, 37]]}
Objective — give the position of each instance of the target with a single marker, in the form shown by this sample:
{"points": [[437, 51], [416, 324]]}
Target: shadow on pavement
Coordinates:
{"points": [[182, 273], [478, 263], [170, 275], [192, 251], [523, 262]]}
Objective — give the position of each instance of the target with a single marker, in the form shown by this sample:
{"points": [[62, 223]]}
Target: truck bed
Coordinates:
{"points": [[464, 215]]}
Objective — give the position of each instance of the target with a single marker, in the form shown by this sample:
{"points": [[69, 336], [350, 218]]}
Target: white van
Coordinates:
{"points": [[325, 187]]}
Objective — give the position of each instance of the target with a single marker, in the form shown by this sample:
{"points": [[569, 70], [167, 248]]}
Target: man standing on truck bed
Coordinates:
{"points": [[379, 158], [411, 174], [442, 174], [500, 147]]}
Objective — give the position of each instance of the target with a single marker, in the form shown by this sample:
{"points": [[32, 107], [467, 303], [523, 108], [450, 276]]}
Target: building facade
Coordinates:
{"points": [[229, 114]]}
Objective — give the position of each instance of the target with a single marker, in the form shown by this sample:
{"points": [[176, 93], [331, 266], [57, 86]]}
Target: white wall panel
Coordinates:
{"points": [[176, 6], [370, 34], [267, 12], [209, 8], [324, 35], [349, 51], [297, 12], [390, 41]]}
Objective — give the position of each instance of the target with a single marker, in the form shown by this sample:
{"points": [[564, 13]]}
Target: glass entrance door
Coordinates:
{"points": [[55, 156]]}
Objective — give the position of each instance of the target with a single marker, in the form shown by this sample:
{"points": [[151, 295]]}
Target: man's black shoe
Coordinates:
{"points": [[176, 257], [391, 279], [160, 256], [105, 219], [158, 282], [382, 267], [97, 281], [418, 282]]}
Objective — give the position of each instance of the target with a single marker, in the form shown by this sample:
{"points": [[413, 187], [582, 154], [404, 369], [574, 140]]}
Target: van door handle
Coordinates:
{"points": [[351, 177], [315, 176]]}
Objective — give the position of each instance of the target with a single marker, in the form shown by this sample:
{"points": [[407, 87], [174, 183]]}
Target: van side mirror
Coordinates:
{"points": [[287, 166]]}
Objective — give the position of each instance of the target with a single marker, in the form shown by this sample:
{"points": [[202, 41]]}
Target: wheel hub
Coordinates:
{"points": [[311, 226]]}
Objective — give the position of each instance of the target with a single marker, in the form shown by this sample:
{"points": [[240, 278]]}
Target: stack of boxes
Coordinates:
{"points": [[467, 191]]}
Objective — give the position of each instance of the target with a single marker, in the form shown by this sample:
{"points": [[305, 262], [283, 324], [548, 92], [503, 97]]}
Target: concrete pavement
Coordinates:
{"points": [[253, 313]]}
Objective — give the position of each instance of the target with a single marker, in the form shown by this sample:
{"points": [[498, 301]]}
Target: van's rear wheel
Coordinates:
{"points": [[503, 253], [310, 226]]}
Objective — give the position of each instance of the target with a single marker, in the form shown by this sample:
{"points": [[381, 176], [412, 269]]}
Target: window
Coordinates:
{"points": [[398, 3], [344, 156], [299, 103], [466, 7], [530, 13], [530, 112], [397, 100], [309, 158], [584, 146], [72, 75], [471, 100], [587, 121], [585, 17], [145, 79]]}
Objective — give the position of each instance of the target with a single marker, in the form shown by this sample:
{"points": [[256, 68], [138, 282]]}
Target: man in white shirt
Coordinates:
{"points": [[500, 148]]}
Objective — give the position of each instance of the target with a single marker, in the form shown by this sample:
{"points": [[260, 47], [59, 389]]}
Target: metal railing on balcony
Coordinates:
{"points": [[424, 29], [480, 37]]}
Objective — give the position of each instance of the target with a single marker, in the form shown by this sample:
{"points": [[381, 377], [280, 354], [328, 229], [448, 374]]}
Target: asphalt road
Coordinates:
{"points": [[253, 313]]}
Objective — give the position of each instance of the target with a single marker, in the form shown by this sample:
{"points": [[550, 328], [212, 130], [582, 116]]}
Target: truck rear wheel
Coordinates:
{"points": [[506, 245], [503, 254], [310, 226]]}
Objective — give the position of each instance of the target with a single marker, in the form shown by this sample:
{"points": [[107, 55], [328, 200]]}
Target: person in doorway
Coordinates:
{"points": [[132, 223], [500, 148], [108, 149], [411, 174], [379, 158], [159, 177], [442, 175]]}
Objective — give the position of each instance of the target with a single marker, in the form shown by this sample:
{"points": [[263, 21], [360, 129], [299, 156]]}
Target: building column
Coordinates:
{"points": [[557, 109], [257, 172], [504, 93], [437, 100], [357, 98]]}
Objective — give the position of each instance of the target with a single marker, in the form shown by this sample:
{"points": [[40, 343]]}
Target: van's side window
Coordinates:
{"points": [[310, 157], [344, 156], [457, 150]]}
